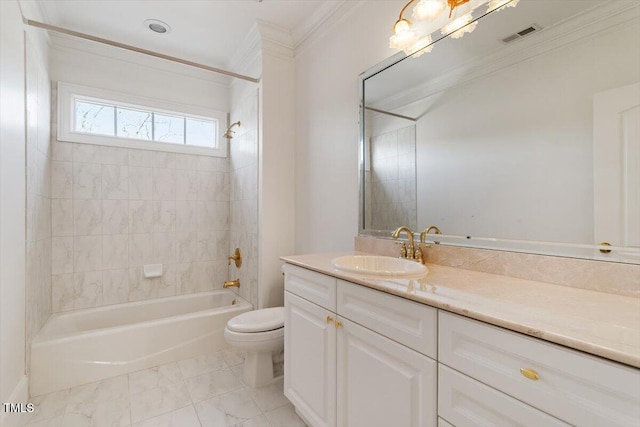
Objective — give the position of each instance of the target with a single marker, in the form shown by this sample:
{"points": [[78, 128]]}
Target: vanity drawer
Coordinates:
{"points": [[315, 287], [577, 388], [466, 402], [407, 322]]}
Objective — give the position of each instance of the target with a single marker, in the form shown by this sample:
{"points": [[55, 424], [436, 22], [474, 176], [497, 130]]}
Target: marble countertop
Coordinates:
{"points": [[598, 323]]}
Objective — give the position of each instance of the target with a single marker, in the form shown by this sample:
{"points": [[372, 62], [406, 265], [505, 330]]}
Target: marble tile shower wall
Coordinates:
{"points": [[115, 210], [393, 180], [38, 207], [244, 195]]}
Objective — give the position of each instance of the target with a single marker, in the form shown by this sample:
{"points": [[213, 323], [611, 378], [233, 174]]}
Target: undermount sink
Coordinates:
{"points": [[374, 265]]}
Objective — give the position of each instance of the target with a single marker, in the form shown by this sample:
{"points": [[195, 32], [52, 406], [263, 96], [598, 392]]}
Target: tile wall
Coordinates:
{"points": [[392, 180], [244, 195], [38, 221], [115, 210]]}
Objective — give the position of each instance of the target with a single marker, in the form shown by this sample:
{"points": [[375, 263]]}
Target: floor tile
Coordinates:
{"points": [[52, 422], [227, 410], [259, 421], [158, 401], [233, 356], [202, 391], [184, 417], [47, 406], [238, 371], [155, 377], [202, 364], [107, 413], [284, 416], [105, 390], [212, 384], [271, 396]]}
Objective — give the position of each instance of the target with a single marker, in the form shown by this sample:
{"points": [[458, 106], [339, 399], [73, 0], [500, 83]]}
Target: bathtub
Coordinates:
{"points": [[89, 345]]}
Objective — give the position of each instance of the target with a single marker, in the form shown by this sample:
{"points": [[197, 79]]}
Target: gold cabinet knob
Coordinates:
{"points": [[605, 251], [329, 319], [338, 323], [530, 373]]}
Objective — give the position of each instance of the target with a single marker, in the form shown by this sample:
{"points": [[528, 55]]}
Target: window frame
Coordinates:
{"points": [[68, 93]]}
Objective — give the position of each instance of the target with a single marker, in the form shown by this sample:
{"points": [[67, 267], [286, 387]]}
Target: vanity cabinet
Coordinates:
{"points": [[574, 387], [339, 372], [355, 356]]}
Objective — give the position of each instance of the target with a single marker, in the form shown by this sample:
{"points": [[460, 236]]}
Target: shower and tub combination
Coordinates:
{"points": [[89, 345]]}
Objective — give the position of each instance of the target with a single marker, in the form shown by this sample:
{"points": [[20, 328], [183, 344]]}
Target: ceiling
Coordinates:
{"points": [[205, 31]]}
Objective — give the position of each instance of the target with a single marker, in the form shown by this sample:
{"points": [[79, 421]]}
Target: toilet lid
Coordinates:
{"points": [[266, 319]]}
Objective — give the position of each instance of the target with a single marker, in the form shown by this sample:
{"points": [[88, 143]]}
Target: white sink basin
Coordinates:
{"points": [[373, 265]]}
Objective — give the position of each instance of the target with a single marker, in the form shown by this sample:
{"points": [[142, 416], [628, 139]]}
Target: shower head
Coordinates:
{"points": [[229, 133]]}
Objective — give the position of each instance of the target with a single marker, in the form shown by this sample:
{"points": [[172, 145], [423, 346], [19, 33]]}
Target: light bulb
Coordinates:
{"points": [[401, 26], [459, 26], [498, 5], [404, 36], [420, 47], [428, 9]]}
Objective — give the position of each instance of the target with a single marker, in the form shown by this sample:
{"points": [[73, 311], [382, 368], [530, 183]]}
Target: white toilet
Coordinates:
{"points": [[260, 333]]}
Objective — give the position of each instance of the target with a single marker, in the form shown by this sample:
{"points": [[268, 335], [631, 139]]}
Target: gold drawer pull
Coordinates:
{"points": [[338, 324], [530, 373], [329, 319]]}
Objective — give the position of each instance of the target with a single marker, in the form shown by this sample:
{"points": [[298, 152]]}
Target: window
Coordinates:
{"points": [[99, 117]]}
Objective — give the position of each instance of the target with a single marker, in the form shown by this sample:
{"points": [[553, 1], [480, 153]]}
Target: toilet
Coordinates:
{"points": [[259, 333]]}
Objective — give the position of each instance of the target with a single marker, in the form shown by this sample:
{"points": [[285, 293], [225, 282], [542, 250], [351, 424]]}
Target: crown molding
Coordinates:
{"points": [[276, 40], [67, 44], [590, 23], [246, 54], [35, 10], [327, 16]]}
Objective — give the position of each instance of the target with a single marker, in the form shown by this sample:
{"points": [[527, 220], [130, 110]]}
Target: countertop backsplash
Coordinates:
{"points": [[600, 276]]}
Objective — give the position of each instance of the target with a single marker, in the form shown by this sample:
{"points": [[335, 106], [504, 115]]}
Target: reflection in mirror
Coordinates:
{"points": [[523, 135]]}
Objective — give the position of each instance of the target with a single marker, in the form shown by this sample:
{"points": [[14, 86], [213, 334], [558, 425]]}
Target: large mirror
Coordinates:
{"points": [[522, 135]]}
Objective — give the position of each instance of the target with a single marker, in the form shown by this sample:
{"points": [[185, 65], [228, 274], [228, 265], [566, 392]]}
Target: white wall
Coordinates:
{"points": [[327, 115], [12, 206], [38, 222], [276, 183], [92, 64]]}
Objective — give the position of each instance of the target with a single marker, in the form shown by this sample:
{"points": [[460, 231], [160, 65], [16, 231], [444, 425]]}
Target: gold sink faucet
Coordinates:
{"points": [[423, 235], [412, 252]]}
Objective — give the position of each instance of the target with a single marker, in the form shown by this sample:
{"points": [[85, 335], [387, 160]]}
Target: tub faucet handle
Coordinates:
{"points": [[237, 257], [231, 283]]}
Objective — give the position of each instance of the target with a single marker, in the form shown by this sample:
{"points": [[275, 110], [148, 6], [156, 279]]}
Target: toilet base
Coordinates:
{"points": [[258, 368]]}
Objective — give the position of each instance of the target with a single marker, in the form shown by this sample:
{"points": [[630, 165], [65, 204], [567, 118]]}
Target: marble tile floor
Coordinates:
{"points": [[205, 391]]}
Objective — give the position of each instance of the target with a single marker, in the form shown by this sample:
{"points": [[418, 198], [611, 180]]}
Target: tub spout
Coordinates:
{"points": [[231, 283]]}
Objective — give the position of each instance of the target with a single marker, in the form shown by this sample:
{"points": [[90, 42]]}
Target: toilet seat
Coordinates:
{"points": [[263, 320]]}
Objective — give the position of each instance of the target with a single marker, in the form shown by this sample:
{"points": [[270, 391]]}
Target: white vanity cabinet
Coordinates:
{"points": [[355, 356], [574, 387], [341, 373]]}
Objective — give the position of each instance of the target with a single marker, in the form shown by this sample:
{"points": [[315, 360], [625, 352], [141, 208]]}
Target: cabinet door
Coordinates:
{"points": [[382, 383], [310, 360]]}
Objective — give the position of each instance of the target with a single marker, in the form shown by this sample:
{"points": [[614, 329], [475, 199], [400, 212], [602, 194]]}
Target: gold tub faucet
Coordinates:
{"points": [[231, 283]]}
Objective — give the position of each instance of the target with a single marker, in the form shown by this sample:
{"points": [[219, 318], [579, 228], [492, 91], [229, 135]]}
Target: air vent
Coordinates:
{"points": [[522, 33]]}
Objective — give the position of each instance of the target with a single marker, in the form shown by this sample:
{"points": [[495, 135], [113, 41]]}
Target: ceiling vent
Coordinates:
{"points": [[522, 33]]}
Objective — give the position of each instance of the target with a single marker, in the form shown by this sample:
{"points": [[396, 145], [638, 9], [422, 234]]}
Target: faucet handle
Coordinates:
{"points": [[419, 256], [403, 250]]}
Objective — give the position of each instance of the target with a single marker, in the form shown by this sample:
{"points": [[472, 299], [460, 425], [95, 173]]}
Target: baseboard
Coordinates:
{"points": [[20, 394]]}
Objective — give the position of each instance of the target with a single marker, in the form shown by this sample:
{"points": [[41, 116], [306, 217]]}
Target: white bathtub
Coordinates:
{"points": [[89, 345]]}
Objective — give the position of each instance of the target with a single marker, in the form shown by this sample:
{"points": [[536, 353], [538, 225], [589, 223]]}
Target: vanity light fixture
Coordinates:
{"points": [[407, 37]]}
